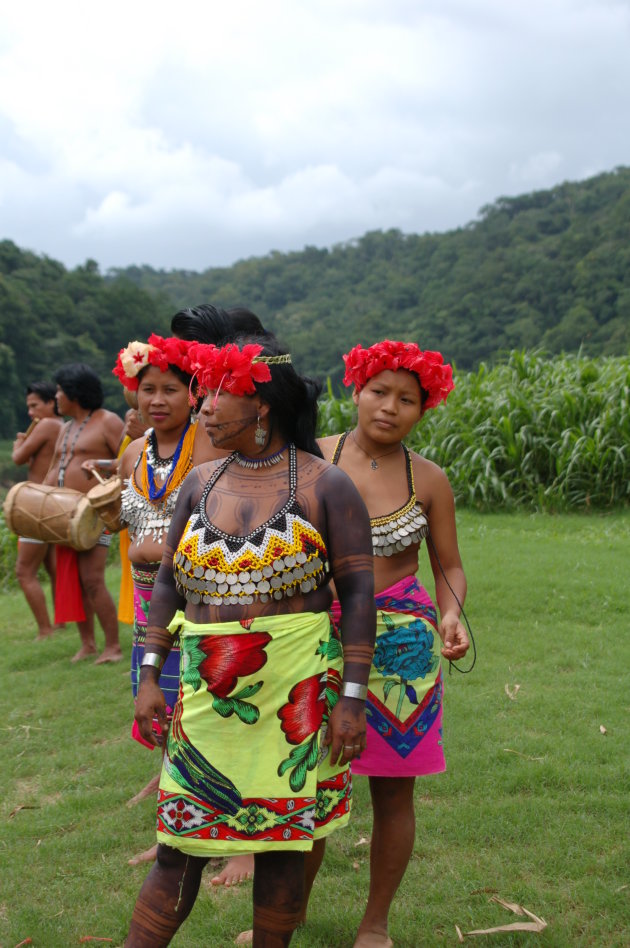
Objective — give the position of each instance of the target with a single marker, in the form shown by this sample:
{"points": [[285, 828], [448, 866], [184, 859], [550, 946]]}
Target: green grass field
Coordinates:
{"points": [[534, 805]]}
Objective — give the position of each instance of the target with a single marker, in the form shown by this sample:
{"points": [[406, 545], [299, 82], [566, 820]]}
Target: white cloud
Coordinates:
{"points": [[195, 135], [536, 171]]}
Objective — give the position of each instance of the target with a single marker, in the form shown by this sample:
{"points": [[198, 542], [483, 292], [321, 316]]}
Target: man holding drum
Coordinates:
{"points": [[35, 447], [91, 432]]}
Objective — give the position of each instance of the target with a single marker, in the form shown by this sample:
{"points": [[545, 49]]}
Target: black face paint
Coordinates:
{"points": [[216, 429]]}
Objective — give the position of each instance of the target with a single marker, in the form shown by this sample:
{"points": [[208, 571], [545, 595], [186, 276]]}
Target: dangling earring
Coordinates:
{"points": [[260, 434]]}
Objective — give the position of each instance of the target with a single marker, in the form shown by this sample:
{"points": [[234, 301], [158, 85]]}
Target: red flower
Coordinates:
{"points": [[130, 382], [200, 354], [157, 355], [159, 352], [230, 657], [230, 368], [435, 377], [302, 715], [170, 351]]}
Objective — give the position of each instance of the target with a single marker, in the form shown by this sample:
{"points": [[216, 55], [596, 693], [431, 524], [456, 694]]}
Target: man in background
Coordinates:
{"points": [[91, 432], [35, 447]]}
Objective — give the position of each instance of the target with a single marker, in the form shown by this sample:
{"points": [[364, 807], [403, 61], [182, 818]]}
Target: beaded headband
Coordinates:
{"points": [[159, 352], [435, 375], [233, 369]]}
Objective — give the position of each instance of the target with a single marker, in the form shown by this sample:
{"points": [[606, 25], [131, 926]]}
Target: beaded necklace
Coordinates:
{"points": [[170, 468], [161, 466], [255, 463], [147, 509], [63, 460]]}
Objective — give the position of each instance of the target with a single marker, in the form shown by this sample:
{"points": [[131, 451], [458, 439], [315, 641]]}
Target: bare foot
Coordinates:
{"points": [[147, 856], [236, 870], [150, 788], [372, 939], [84, 652], [109, 655], [43, 634], [245, 938]]}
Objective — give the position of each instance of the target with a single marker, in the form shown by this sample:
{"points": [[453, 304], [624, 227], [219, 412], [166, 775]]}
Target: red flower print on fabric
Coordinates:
{"points": [[304, 711], [230, 657], [220, 661], [301, 719]]}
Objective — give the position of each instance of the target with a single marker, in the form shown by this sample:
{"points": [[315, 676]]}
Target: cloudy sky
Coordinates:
{"points": [[193, 134]]}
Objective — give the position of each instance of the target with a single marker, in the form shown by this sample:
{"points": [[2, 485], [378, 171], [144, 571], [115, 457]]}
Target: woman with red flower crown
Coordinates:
{"points": [[408, 498], [158, 374], [268, 717], [153, 468]]}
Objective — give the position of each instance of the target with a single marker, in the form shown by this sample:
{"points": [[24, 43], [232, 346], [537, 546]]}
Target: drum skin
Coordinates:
{"points": [[52, 514]]}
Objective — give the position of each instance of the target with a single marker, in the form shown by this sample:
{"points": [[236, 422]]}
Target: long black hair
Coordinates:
{"points": [[292, 398]]}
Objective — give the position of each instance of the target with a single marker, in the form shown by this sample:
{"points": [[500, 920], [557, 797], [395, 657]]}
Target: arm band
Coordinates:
{"points": [[350, 689], [153, 659]]}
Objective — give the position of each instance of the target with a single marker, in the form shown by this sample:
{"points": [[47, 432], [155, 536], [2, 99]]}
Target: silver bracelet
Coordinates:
{"points": [[153, 659], [350, 689]]}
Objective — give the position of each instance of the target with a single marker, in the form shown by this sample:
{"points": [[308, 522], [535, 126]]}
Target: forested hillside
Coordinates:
{"points": [[50, 315], [549, 269]]}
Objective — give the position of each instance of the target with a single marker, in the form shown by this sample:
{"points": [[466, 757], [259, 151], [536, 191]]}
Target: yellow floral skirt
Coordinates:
{"points": [[244, 770]]}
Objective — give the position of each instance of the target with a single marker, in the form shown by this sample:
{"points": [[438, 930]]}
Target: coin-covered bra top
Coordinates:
{"points": [[142, 516], [282, 557], [396, 531]]}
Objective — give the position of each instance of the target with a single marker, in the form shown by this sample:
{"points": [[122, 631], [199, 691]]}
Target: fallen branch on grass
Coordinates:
{"points": [[535, 925], [508, 750]]}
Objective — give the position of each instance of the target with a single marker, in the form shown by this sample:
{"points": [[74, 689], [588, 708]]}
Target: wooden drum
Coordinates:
{"points": [[104, 498], [52, 514]]}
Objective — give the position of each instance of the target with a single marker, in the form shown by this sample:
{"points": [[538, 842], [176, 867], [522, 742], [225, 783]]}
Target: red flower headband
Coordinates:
{"points": [[157, 351], [435, 376], [232, 369]]}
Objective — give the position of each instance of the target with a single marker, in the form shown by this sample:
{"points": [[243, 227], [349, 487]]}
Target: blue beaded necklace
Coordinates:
{"points": [[155, 492]]}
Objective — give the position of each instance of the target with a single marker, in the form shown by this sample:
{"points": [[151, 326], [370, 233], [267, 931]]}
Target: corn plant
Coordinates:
{"points": [[531, 431]]}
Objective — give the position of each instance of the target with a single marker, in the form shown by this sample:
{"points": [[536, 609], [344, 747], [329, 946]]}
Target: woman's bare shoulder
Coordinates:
{"points": [[430, 480], [203, 470], [328, 445], [196, 480], [312, 463], [331, 482], [427, 471]]}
